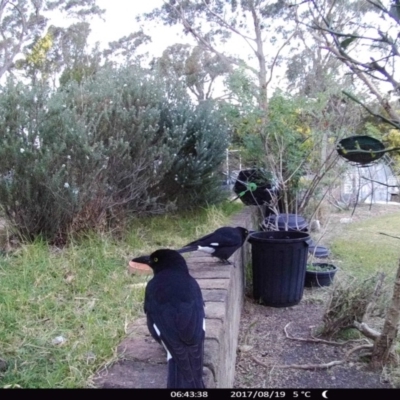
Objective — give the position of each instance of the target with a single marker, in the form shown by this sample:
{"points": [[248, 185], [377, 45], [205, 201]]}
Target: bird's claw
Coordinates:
{"points": [[227, 262]]}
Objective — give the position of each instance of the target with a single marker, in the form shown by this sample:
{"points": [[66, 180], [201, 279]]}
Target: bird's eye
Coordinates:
{"points": [[155, 259]]}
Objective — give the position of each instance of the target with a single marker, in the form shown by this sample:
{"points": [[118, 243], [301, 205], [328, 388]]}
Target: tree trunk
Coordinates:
{"points": [[384, 343], [262, 71]]}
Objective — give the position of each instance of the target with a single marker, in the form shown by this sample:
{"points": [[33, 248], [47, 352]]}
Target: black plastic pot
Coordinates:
{"points": [[279, 261], [320, 278], [294, 222], [318, 251], [253, 188]]}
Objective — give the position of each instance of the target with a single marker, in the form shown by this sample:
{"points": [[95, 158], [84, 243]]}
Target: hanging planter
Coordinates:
{"points": [[361, 149], [319, 274], [253, 187]]}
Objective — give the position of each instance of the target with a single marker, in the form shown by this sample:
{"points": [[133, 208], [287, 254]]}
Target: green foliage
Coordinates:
{"points": [[193, 179], [87, 154], [125, 48], [196, 68], [320, 268], [279, 143], [23, 23]]}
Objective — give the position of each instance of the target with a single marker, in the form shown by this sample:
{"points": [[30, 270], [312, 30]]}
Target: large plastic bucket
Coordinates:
{"points": [[279, 261]]}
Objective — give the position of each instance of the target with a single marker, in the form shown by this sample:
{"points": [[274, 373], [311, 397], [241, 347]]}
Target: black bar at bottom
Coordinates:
{"points": [[218, 394]]}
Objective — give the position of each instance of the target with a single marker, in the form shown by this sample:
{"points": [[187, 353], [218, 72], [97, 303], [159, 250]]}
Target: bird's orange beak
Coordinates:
{"points": [[139, 268]]}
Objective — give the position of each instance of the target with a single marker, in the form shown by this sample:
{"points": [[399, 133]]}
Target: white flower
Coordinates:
{"points": [[59, 340], [63, 166], [66, 185], [69, 157], [21, 150]]}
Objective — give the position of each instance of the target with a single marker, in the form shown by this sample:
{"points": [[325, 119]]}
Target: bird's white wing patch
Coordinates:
{"points": [[157, 330], [165, 347], [168, 353], [204, 324], [206, 249], [214, 244]]}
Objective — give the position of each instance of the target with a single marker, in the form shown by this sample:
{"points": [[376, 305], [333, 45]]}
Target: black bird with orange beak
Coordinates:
{"points": [[174, 309]]}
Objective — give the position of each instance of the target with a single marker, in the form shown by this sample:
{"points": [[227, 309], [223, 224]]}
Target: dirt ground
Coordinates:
{"points": [[265, 350]]}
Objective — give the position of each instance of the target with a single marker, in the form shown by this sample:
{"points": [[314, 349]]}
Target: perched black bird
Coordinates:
{"points": [[222, 243], [175, 317]]}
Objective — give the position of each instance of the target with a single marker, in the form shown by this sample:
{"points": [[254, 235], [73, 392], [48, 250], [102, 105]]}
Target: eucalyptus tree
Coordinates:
{"points": [[22, 22], [363, 36], [260, 27], [195, 67], [125, 49], [60, 55]]}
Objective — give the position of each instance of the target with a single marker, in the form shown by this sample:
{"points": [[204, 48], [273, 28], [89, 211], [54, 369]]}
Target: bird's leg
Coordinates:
{"points": [[227, 262]]}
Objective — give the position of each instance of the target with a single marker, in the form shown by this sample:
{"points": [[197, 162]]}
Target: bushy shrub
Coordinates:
{"points": [[87, 153], [193, 179]]}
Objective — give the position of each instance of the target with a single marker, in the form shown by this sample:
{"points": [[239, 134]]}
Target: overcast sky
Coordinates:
{"points": [[120, 21]]}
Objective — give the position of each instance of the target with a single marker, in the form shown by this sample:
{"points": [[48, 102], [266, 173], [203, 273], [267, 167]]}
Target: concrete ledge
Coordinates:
{"points": [[142, 361]]}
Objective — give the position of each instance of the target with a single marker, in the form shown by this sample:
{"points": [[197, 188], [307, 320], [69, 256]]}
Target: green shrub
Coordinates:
{"points": [[193, 179], [85, 155]]}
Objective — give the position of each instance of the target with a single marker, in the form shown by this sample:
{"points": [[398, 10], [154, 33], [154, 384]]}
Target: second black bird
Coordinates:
{"points": [[222, 243]]}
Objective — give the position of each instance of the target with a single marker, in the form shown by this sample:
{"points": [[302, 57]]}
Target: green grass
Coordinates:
{"points": [[84, 294], [362, 251]]}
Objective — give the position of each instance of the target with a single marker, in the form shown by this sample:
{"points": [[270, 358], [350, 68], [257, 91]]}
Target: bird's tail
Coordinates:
{"points": [[187, 249], [176, 380]]}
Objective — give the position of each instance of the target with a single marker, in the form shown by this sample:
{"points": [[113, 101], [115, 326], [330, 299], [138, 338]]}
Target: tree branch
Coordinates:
{"points": [[277, 55], [393, 123], [230, 27]]}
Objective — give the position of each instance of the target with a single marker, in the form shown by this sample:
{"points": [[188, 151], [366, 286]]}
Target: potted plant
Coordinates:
{"points": [[319, 274]]}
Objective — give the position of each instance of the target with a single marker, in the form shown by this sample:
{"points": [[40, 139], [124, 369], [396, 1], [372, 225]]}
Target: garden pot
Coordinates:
{"points": [[279, 261], [253, 188], [318, 251], [294, 222], [322, 277], [362, 150]]}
